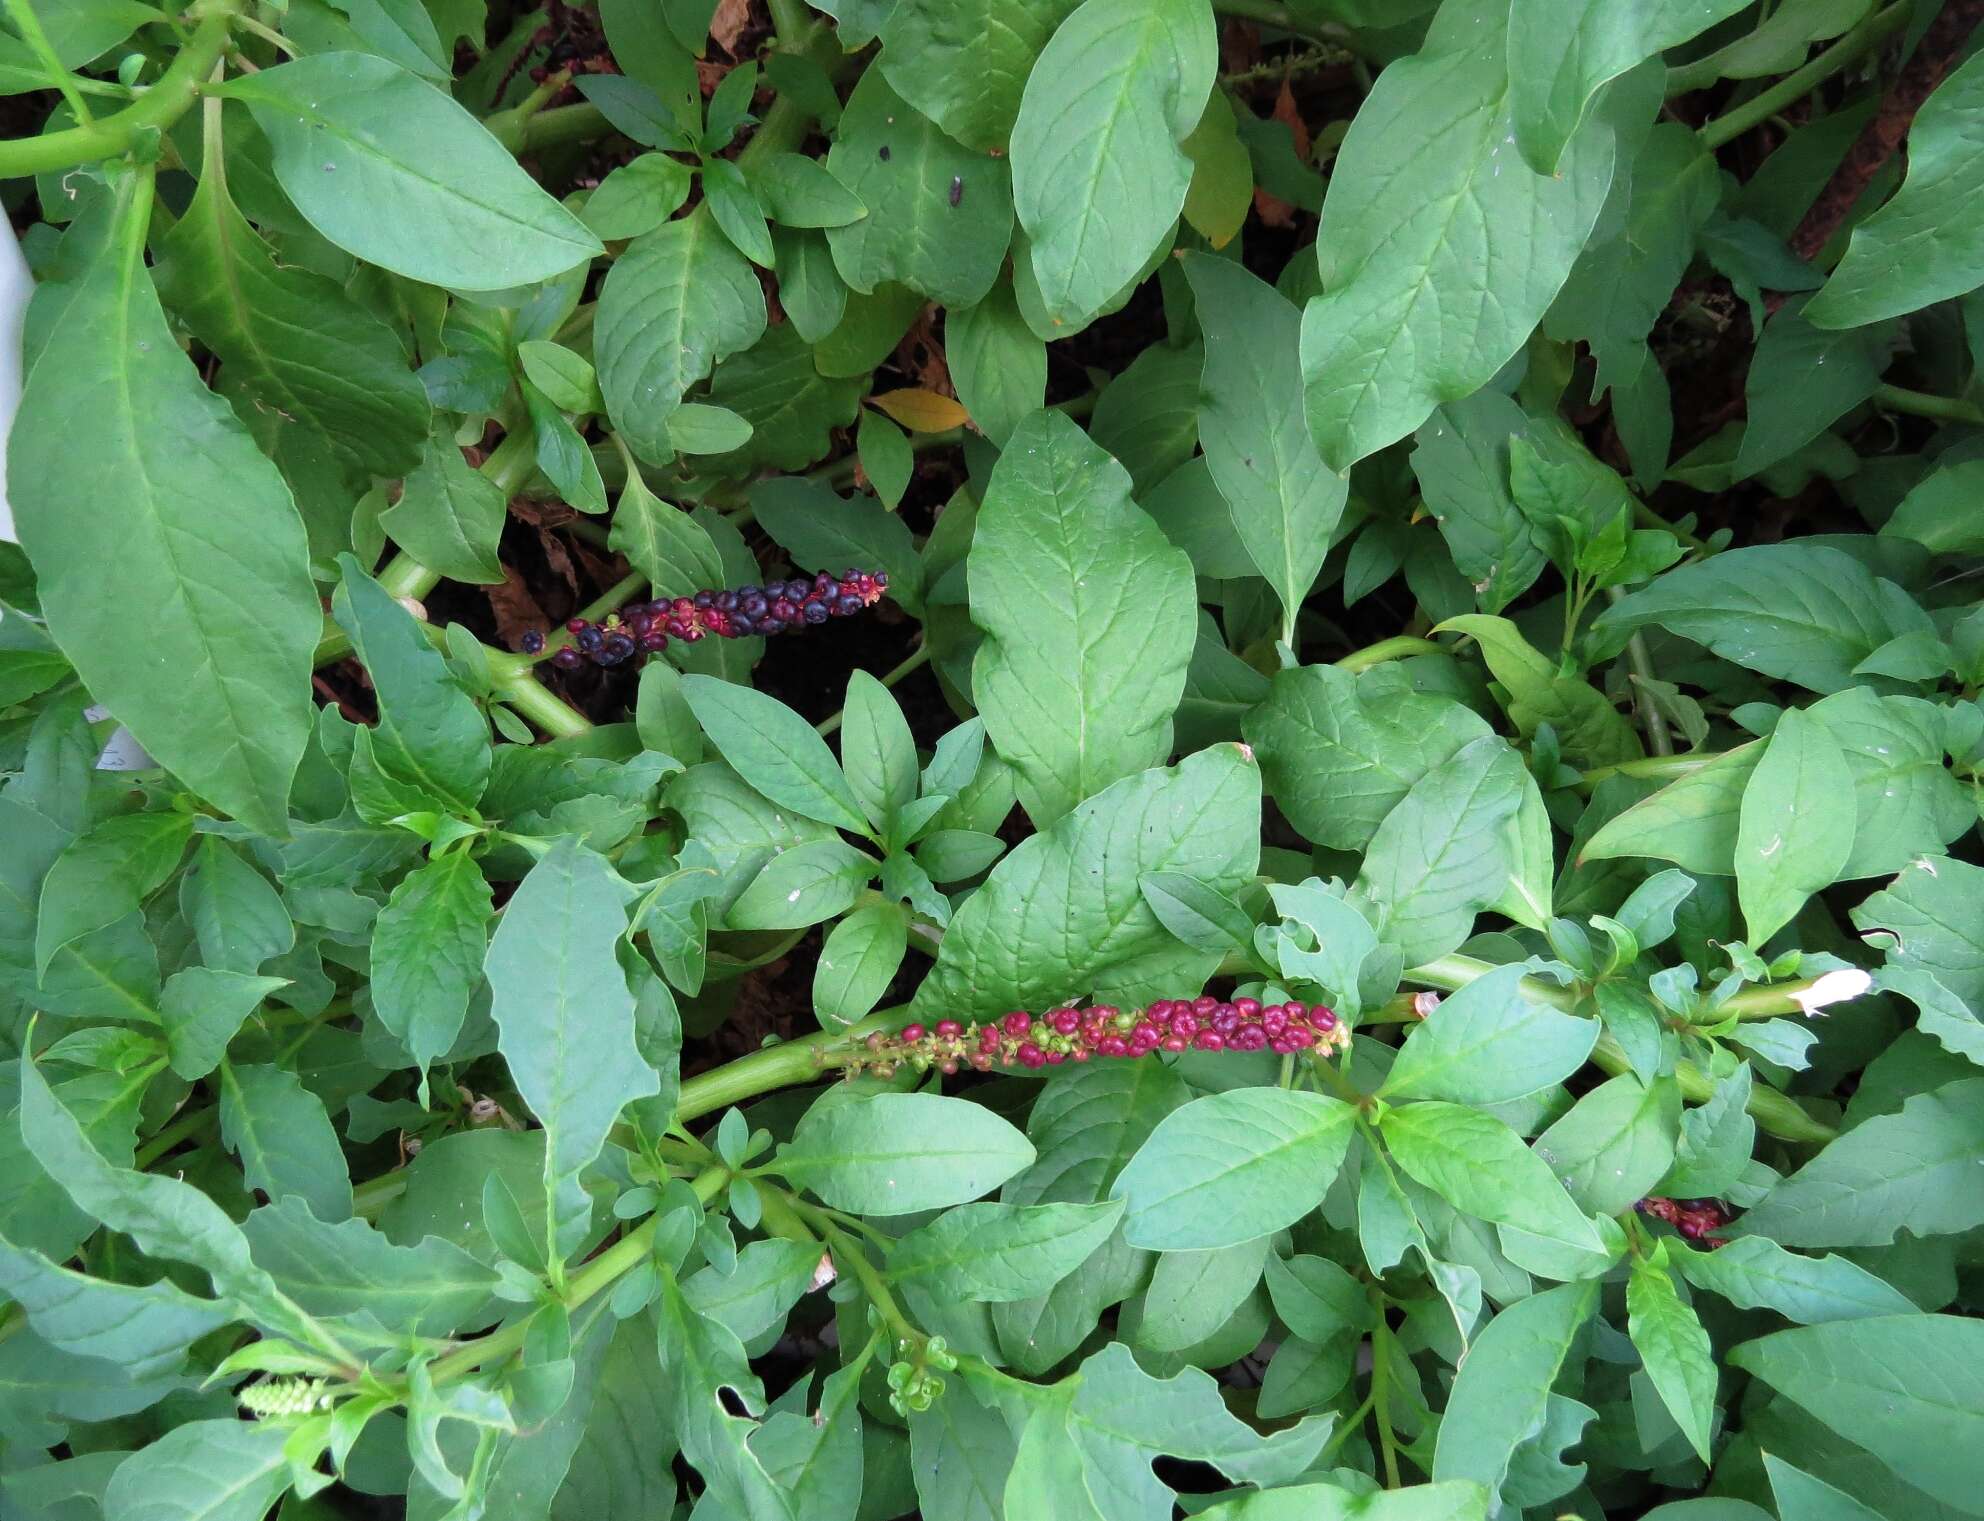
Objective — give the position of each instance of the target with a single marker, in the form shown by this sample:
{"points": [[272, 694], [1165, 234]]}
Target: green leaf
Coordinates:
{"points": [[238, 918], [775, 750], [284, 1138], [1148, 416], [1316, 1299], [144, 1329], [1591, 731], [353, 133], [430, 734], [1562, 51], [1232, 1166], [1691, 822], [1098, 176], [664, 543], [166, 1217], [1193, 1295], [1063, 913], [797, 191], [877, 750], [104, 875], [291, 337], [1615, 1143], [702, 1358], [638, 196], [902, 166], [432, 1288], [1445, 851], [802, 886], [1830, 373], [214, 1470], [219, 690], [1807, 613], [1338, 752], [427, 948], [1330, 1502], [1481, 1167], [1222, 189], [1674, 1348], [1930, 922], [565, 1019], [997, 1253], [997, 364], [897, 1153], [1201, 916], [202, 1009], [857, 963], [769, 1278], [1755, 1273], [1501, 1395], [1800, 1497], [1074, 585], [1285, 504], [823, 530], [1908, 804], [1907, 1388], [1915, 1170], [1421, 308], [450, 515], [1788, 840], [678, 300], [1920, 247], [1461, 458], [1487, 1044], [964, 66], [885, 456]]}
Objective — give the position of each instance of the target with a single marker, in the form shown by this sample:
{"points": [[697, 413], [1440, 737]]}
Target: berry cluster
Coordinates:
{"points": [[641, 628], [1693, 1218], [1067, 1034]]}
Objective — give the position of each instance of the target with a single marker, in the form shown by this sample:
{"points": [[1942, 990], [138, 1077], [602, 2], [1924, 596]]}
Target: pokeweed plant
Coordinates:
{"points": [[1401, 937]]}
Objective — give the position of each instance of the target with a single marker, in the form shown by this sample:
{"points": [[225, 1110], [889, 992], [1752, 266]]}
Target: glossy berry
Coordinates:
{"points": [[643, 628]]}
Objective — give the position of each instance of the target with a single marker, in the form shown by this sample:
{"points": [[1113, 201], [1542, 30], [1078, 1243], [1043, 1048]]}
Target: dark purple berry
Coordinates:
{"points": [[590, 639], [705, 599], [568, 659], [813, 611], [742, 626], [533, 642], [847, 607], [751, 602], [726, 601]]}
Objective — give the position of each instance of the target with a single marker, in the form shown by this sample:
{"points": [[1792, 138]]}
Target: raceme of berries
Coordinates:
{"points": [[275, 1398], [1693, 1218], [642, 628], [1068, 1034]]}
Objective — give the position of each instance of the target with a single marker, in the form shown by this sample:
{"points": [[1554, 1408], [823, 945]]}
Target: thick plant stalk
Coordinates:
{"points": [[158, 108]]}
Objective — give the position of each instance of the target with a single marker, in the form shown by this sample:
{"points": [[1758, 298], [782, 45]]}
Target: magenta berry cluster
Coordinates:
{"points": [[1693, 1218], [642, 628], [1068, 1034]]}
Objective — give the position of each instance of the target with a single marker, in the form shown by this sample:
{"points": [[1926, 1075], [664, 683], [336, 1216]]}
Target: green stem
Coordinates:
{"points": [[542, 706], [779, 1066], [1381, 1388], [189, 1124], [158, 108], [268, 34], [1640, 662], [1922, 404], [1850, 49], [1657, 768], [619, 1259], [1399, 647], [917, 659], [528, 131], [28, 24]]}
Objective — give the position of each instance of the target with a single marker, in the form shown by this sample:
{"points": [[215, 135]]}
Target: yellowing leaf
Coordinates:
{"points": [[922, 411]]}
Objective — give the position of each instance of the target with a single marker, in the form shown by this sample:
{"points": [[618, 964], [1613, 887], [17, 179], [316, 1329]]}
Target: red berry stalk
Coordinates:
{"points": [[642, 628], [1067, 1034], [1693, 1218]]}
